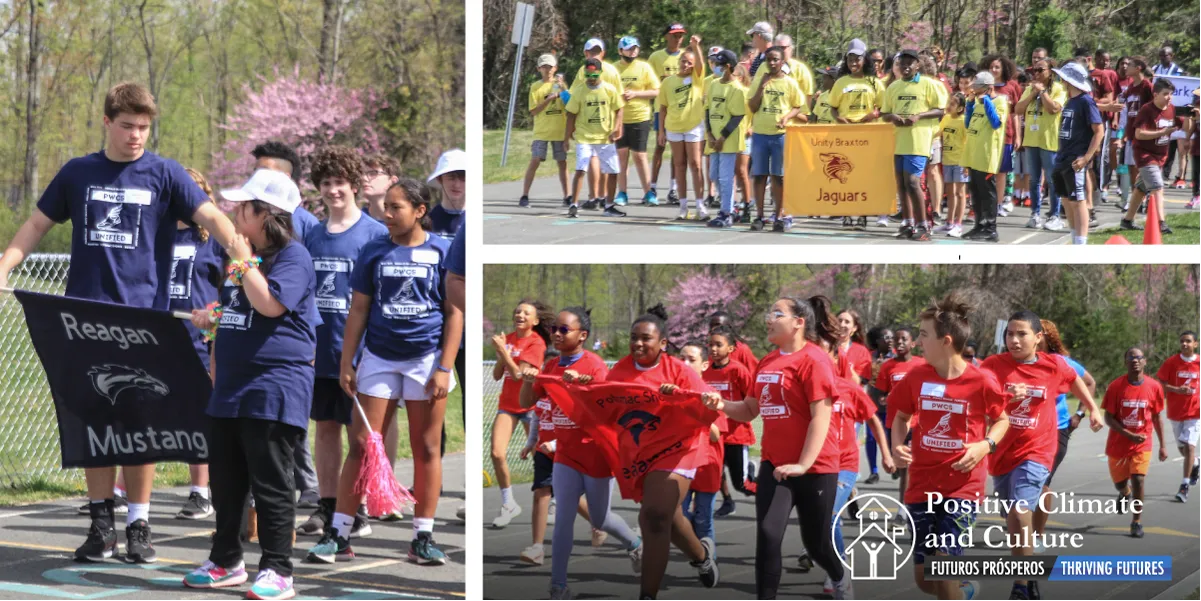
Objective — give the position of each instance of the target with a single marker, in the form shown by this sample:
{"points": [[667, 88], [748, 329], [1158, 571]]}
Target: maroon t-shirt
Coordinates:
{"points": [[1136, 95], [1013, 92], [1155, 151], [1105, 83]]}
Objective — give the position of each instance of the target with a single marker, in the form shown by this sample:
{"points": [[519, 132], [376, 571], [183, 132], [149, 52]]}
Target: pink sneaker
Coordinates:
{"points": [[1194, 203]]}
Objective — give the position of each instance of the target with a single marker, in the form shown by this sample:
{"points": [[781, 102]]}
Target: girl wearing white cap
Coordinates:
{"points": [[681, 117]]}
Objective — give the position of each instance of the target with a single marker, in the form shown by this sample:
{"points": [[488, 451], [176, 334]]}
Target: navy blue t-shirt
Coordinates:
{"points": [[123, 225], [196, 271], [446, 222], [264, 364], [334, 256], [456, 261], [407, 290], [1075, 128], [303, 222]]}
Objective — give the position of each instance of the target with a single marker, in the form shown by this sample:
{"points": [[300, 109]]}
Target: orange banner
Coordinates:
{"points": [[839, 170]]}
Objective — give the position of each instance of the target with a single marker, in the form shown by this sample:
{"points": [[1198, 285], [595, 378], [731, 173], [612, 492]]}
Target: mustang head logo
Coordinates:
{"points": [[836, 166], [326, 289], [942, 427], [636, 422], [111, 220], [110, 380]]}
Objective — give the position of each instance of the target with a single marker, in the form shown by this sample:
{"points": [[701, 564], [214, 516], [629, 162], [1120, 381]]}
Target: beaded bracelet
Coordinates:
{"points": [[215, 311], [238, 269]]}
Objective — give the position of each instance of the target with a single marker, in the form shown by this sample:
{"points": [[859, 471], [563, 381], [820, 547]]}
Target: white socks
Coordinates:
{"points": [[138, 511], [342, 524], [1079, 239], [506, 496], [422, 525], [203, 491]]}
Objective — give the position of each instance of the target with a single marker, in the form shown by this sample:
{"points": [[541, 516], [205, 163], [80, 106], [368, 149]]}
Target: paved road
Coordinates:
{"points": [[1171, 529], [545, 222], [37, 543]]}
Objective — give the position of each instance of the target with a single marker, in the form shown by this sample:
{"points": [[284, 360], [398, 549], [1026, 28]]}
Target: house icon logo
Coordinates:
{"points": [[881, 548]]}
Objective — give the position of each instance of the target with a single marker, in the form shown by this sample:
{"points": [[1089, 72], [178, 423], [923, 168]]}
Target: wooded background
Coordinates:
{"points": [[202, 59], [966, 29], [1100, 310]]}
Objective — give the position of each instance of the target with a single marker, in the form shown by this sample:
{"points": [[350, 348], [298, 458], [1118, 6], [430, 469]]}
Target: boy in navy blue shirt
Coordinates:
{"points": [[1081, 133], [451, 175]]}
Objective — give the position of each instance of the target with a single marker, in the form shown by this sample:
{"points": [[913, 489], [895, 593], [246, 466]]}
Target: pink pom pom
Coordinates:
{"points": [[376, 482]]}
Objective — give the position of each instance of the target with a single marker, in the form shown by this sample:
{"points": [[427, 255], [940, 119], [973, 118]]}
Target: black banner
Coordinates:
{"points": [[978, 567], [127, 384]]}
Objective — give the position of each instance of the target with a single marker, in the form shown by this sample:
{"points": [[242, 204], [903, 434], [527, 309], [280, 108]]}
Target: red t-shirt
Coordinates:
{"points": [[861, 360], [786, 385], [668, 370], [742, 354], [851, 406], [892, 371], [1013, 91], [531, 350], [1105, 81], [1177, 371], [575, 447], [1135, 405], [708, 476], [951, 415], [1033, 422], [1155, 151], [1135, 96], [733, 382]]}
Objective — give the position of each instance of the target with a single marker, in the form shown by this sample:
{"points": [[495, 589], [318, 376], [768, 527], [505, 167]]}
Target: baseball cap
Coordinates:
{"points": [[908, 52], [857, 47], [593, 43], [762, 28], [451, 160], [675, 28], [272, 187], [726, 57], [831, 71], [547, 59], [714, 51], [628, 42], [983, 78]]}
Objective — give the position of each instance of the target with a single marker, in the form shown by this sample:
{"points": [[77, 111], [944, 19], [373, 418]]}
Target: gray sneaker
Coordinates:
{"points": [[842, 588], [196, 508], [560, 592], [706, 569], [1035, 222]]}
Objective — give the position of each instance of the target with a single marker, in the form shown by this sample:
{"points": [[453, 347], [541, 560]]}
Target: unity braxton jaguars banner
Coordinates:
{"points": [[128, 386], [839, 170]]}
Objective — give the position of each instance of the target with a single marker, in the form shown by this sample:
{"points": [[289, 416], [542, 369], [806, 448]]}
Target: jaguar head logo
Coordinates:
{"points": [[636, 422], [836, 166], [111, 379]]}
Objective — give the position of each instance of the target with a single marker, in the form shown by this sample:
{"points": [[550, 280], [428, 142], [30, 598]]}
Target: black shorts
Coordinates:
{"points": [[1065, 436], [544, 468], [1067, 183], [330, 403], [634, 136]]}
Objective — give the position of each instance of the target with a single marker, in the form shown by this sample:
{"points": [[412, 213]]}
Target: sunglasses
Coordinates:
{"points": [[592, 75], [564, 330]]}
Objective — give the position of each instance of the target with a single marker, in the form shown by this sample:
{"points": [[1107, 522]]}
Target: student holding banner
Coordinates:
{"points": [[856, 98], [914, 104], [123, 203]]}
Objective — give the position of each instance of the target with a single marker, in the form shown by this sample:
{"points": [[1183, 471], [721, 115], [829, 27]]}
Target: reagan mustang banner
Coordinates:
{"points": [[637, 428], [839, 170], [128, 386]]}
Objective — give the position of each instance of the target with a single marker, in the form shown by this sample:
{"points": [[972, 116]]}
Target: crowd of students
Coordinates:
{"points": [[972, 143], [940, 422], [295, 319]]}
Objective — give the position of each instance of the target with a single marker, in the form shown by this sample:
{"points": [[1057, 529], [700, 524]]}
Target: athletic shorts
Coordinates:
{"points": [[940, 521], [544, 467], [1019, 161], [524, 417], [1185, 431], [936, 152], [911, 164], [605, 153], [558, 150], [1023, 484], [767, 157], [398, 380], [1121, 468], [955, 174], [1068, 183], [1150, 178], [1006, 159], [696, 134], [330, 402], [1065, 437], [634, 136]]}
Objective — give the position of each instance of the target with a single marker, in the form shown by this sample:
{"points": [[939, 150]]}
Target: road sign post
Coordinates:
{"points": [[523, 24]]}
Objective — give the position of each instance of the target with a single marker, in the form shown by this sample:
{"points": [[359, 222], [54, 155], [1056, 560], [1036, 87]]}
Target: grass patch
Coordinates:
{"points": [[1185, 226], [519, 156]]}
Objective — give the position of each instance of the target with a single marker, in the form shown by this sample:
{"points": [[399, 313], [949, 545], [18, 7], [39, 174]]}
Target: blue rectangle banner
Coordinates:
{"points": [[1125, 568]]}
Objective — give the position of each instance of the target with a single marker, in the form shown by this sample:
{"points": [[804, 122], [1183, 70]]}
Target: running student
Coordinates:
{"points": [[726, 127], [891, 373], [594, 116], [1042, 104], [1026, 455], [741, 353], [856, 97], [681, 123], [524, 347], [852, 345], [794, 391], [580, 470], [640, 86], [1132, 406], [708, 480], [546, 108], [412, 337], [732, 380], [262, 385], [1179, 377], [1153, 126], [960, 412], [775, 101], [914, 104], [953, 131], [665, 62], [984, 120], [1080, 136], [335, 245]]}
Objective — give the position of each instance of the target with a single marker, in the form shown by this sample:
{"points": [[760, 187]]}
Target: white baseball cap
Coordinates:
{"points": [[272, 187], [451, 160], [593, 43]]}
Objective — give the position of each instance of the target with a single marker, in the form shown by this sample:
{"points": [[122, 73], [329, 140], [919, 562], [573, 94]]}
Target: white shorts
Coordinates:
{"points": [[606, 153], [690, 474], [696, 134], [1185, 431], [398, 380]]}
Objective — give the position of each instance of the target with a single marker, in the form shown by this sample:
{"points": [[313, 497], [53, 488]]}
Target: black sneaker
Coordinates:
{"points": [[1136, 529], [777, 225], [138, 548], [853, 509], [1127, 224], [591, 205], [1032, 588], [361, 526], [1164, 228], [100, 545], [847, 223], [613, 211], [906, 232], [706, 569], [673, 198], [804, 563], [711, 202], [977, 232], [1193, 477], [727, 507], [196, 508], [1019, 592], [899, 217], [757, 225], [990, 234], [317, 523], [872, 479], [920, 234], [120, 506], [861, 224], [567, 200], [571, 211], [524, 201], [1182, 494]]}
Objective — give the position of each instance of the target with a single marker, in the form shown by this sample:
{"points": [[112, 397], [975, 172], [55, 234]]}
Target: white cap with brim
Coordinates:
{"points": [[272, 187], [1074, 75], [593, 43], [547, 59], [451, 160]]}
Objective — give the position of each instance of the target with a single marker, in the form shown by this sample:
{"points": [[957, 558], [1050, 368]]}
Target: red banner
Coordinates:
{"points": [[638, 429]]}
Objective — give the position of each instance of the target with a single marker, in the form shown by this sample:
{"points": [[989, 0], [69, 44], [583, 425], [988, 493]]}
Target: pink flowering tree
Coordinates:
{"points": [[697, 296]]}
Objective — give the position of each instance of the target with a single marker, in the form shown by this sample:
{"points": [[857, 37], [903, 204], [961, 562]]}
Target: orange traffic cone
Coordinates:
{"points": [[1116, 239], [1151, 233]]}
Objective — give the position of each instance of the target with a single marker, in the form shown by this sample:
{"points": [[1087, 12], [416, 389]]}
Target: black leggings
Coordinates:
{"points": [[984, 196], [735, 457], [1196, 173], [813, 497]]}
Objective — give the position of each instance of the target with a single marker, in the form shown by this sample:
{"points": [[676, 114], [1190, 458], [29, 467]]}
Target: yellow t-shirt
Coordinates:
{"points": [[803, 76], [609, 75], [855, 97], [985, 144], [954, 135], [595, 110], [780, 96], [908, 98], [684, 99], [637, 76], [550, 123], [664, 64], [725, 100], [821, 109], [1042, 126]]}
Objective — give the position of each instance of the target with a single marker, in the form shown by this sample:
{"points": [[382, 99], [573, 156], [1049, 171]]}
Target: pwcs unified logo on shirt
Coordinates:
{"points": [[182, 264], [333, 284], [771, 406], [933, 402], [113, 216], [237, 313], [1025, 414]]}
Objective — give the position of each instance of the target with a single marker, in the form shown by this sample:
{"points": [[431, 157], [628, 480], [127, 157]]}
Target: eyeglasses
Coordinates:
{"points": [[1135, 358], [771, 316], [564, 330], [375, 173]]}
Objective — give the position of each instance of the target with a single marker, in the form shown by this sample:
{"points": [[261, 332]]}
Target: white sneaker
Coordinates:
{"points": [[956, 232], [842, 588], [1007, 205], [1035, 222], [701, 213], [828, 585], [944, 228], [533, 555], [1054, 224], [683, 213], [550, 513], [882, 221], [599, 537], [507, 512], [636, 558]]}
